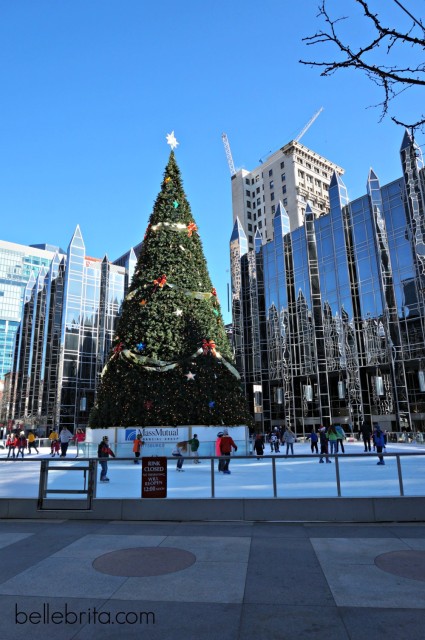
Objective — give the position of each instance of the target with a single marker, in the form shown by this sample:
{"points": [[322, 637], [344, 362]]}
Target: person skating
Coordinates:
{"points": [[53, 435], [21, 444], [289, 439], [65, 436], [259, 445], [31, 442], [194, 446], [11, 444], [226, 446], [178, 453], [380, 441], [103, 453], [218, 451], [323, 445], [137, 445]]}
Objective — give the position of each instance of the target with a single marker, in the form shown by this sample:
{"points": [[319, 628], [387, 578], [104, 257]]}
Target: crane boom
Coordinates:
{"points": [[308, 125], [228, 154]]}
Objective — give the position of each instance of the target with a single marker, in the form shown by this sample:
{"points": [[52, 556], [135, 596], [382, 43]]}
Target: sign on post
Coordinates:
{"points": [[154, 477]]}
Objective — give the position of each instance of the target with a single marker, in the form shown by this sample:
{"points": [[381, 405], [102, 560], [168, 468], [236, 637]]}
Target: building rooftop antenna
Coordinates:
{"points": [[228, 154], [308, 125]]}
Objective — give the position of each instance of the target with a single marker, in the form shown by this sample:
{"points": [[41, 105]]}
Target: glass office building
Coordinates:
{"points": [[329, 318], [69, 315]]}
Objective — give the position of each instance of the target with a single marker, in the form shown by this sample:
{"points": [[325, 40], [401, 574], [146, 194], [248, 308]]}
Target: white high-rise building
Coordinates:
{"points": [[293, 175]]}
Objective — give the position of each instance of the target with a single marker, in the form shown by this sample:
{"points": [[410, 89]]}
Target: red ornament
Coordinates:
{"points": [[117, 350], [208, 347], [160, 282], [191, 228]]}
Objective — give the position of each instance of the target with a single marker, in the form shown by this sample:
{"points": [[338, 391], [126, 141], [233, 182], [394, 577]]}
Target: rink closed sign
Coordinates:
{"points": [[154, 477]]}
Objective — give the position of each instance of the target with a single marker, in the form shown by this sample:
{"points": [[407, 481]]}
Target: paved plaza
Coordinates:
{"points": [[191, 580]]}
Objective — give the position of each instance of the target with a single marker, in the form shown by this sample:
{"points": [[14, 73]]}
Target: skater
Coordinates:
{"points": [[65, 436], [55, 448], [289, 439], [21, 444], [323, 445], [11, 444], [103, 453], [332, 436], [366, 432], [194, 446], [274, 443], [53, 435], [218, 451], [226, 446], [31, 442], [313, 441], [340, 438], [79, 438], [178, 453], [259, 445], [380, 441], [138, 444]]}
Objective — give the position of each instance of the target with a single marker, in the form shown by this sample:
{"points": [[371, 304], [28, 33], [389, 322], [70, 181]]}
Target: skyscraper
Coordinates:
{"points": [[294, 175]]}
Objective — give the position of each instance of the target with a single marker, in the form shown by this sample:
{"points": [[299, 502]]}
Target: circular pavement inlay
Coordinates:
{"points": [[144, 561], [407, 564]]}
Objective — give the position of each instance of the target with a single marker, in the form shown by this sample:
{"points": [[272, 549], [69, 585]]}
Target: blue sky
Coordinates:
{"points": [[91, 88]]}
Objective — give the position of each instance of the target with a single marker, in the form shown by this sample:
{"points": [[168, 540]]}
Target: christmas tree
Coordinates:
{"points": [[171, 362]]}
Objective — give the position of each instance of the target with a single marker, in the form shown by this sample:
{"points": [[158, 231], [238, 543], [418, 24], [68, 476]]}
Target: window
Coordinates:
{"points": [[309, 179], [300, 174], [248, 215], [246, 180], [272, 195], [250, 227], [254, 205], [248, 193], [258, 201], [300, 160], [318, 183], [258, 190], [273, 209], [316, 169], [271, 184], [308, 165], [250, 239], [270, 172], [284, 188], [252, 181], [285, 202], [257, 178], [283, 177], [255, 217], [282, 164], [248, 204], [324, 174]]}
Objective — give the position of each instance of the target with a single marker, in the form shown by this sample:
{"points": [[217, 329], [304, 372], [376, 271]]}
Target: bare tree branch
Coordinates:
{"points": [[391, 78]]}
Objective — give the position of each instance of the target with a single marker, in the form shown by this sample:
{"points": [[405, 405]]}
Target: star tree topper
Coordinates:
{"points": [[171, 140]]}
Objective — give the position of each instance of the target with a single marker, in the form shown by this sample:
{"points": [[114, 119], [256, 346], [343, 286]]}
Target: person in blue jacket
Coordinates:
{"points": [[380, 441]]}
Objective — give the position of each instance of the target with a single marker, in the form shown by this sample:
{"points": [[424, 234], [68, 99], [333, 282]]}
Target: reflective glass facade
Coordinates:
{"points": [[17, 264], [68, 321], [330, 317]]}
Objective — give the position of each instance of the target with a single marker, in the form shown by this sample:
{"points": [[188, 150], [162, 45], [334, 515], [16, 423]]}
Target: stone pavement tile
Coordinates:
{"points": [[90, 547], [412, 531], [271, 622], [219, 582], [346, 551], [383, 624], [214, 529], [279, 530], [138, 528], [417, 544], [289, 573], [12, 537], [173, 621], [62, 576], [356, 581], [19, 627], [207, 549], [347, 531]]}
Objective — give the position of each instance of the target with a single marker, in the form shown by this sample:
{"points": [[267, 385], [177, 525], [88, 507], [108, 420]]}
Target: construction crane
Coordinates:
{"points": [[308, 125], [228, 154]]}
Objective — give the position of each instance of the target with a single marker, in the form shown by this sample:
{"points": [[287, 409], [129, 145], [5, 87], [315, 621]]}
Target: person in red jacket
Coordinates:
{"points": [[11, 444], [226, 446], [21, 444]]}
